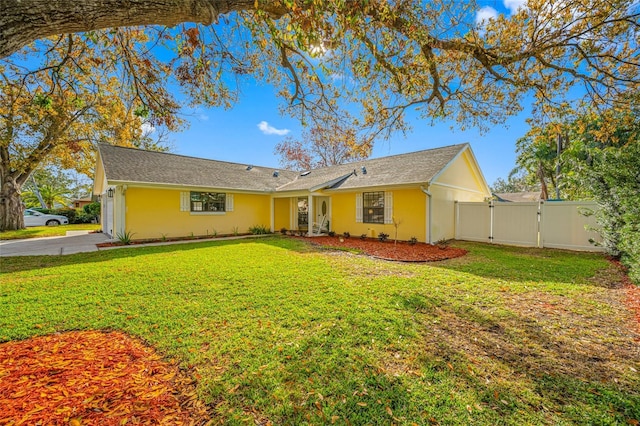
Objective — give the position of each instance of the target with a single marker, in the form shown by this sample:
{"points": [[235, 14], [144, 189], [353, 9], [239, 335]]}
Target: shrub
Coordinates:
{"points": [[413, 241], [346, 234], [383, 237], [92, 208], [363, 236], [283, 231], [125, 237], [258, 230], [332, 234]]}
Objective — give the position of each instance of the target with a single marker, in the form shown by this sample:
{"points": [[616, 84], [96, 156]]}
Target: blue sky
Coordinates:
{"points": [[249, 132], [240, 135]]}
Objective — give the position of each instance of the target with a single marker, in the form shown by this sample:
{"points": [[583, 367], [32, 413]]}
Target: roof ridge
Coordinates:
{"points": [[192, 157], [461, 145]]}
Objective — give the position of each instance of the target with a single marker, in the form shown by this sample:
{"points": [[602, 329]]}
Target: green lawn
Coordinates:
{"points": [[47, 231], [275, 330]]}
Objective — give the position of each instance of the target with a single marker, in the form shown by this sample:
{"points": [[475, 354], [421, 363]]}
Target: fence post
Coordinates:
{"points": [[540, 223]]}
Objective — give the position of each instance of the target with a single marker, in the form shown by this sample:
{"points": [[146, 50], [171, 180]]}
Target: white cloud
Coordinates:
{"points": [[485, 14], [515, 5], [147, 129], [270, 130]]}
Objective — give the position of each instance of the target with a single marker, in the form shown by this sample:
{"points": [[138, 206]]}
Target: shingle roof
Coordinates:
{"points": [[133, 165], [412, 168]]}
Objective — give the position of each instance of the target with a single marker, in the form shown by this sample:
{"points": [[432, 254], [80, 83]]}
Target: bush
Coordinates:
{"points": [[258, 230], [363, 236], [383, 237], [283, 231], [413, 241], [346, 234], [92, 209]]}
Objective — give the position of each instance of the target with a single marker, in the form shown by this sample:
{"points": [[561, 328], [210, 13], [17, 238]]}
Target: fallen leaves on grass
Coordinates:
{"points": [[390, 250], [92, 377]]}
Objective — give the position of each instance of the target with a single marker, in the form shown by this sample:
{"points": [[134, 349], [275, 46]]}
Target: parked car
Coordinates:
{"points": [[35, 218]]}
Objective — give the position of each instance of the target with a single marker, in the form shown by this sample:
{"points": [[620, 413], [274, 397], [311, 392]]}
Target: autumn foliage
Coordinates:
{"points": [[92, 377]]}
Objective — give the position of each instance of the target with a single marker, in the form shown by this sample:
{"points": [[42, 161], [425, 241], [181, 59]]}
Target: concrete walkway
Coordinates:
{"points": [[74, 242], [80, 242]]}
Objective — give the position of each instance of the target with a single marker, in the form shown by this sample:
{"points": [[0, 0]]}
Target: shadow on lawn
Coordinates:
{"points": [[519, 264], [26, 263], [537, 357]]}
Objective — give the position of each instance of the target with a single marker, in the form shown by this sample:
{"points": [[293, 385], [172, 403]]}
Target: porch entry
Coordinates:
{"points": [[312, 214]]}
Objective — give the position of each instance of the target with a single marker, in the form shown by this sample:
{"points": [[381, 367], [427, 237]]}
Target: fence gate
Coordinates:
{"points": [[556, 224]]}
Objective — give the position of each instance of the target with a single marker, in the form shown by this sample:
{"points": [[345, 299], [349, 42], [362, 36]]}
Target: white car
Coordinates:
{"points": [[35, 218]]}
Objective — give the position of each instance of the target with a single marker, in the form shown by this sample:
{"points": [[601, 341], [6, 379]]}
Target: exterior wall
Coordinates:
{"points": [[460, 181], [152, 213], [443, 210], [281, 211], [409, 208], [463, 173]]}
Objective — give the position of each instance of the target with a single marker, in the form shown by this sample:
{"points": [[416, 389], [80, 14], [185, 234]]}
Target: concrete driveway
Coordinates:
{"points": [[73, 242]]}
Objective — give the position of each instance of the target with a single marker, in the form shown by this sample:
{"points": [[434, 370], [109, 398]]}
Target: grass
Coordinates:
{"points": [[274, 330], [47, 231]]}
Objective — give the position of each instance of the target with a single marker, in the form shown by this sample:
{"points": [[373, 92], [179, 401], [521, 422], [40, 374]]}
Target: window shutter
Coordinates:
{"points": [[359, 207], [388, 207], [184, 202], [229, 202]]}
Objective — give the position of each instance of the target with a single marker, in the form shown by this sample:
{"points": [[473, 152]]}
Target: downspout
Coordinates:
{"points": [[428, 193]]}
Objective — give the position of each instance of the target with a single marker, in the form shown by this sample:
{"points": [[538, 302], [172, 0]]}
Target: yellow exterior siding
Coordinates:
{"points": [[152, 213], [460, 181], [409, 208], [281, 211]]}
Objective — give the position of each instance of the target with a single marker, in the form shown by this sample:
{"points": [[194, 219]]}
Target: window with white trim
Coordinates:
{"points": [[373, 207], [208, 201]]}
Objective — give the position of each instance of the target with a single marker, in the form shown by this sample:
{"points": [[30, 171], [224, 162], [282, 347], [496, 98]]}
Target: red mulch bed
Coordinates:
{"points": [[390, 250], [92, 377]]}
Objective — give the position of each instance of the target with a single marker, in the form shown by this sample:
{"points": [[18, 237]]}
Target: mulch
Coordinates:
{"points": [[390, 250], [90, 378]]}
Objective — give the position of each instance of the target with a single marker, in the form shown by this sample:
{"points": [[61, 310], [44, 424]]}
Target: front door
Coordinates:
{"points": [[321, 212]]}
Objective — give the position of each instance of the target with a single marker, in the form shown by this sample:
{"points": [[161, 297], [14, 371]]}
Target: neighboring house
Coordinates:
{"points": [[155, 194], [80, 203], [518, 197]]}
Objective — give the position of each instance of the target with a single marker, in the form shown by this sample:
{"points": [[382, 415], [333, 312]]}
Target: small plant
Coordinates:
{"points": [[214, 233], [383, 237], [235, 231], [191, 235], [302, 233], [346, 235], [396, 224], [283, 231], [125, 237], [163, 237], [331, 234], [292, 232], [413, 241], [258, 230], [442, 243], [363, 236]]}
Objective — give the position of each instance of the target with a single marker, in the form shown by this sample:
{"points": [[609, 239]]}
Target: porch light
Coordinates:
{"points": [[110, 193]]}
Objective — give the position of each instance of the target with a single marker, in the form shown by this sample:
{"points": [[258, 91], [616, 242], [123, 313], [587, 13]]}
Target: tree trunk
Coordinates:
{"points": [[11, 209], [22, 22]]}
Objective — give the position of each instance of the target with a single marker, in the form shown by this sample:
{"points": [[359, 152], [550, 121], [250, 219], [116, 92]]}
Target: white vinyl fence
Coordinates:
{"points": [[556, 224]]}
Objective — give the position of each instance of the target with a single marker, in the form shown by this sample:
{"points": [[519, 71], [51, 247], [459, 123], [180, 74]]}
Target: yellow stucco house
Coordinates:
{"points": [[154, 194]]}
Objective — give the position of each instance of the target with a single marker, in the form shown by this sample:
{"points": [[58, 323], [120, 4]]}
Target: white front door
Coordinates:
{"points": [[322, 213]]}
